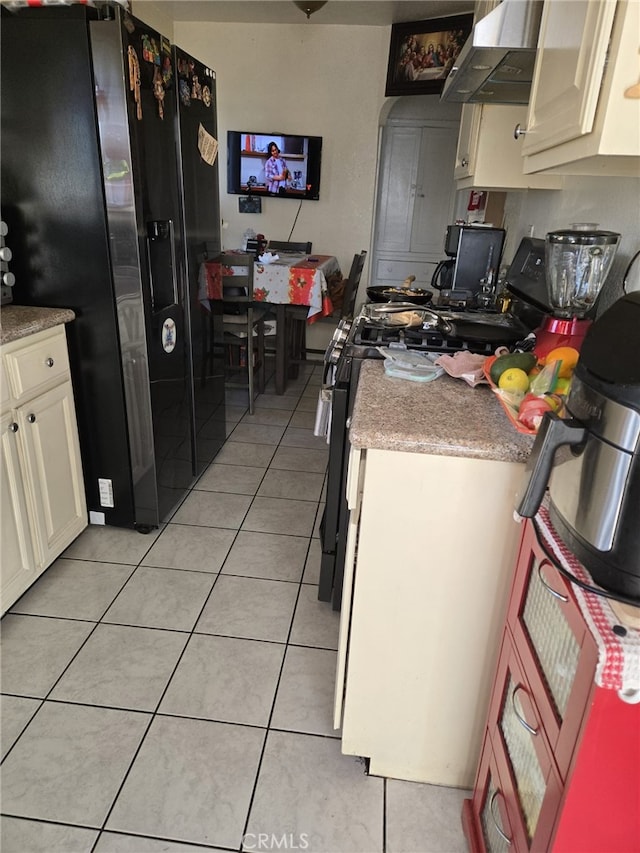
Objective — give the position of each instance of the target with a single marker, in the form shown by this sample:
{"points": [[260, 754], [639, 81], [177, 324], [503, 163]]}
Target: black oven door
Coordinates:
{"points": [[334, 521]]}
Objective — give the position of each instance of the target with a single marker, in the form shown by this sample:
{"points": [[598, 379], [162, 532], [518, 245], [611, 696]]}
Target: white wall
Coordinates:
{"points": [[318, 80], [329, 81]]}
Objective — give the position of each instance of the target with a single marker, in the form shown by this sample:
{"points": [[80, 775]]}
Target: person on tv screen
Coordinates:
{"points": [[275, 171]]}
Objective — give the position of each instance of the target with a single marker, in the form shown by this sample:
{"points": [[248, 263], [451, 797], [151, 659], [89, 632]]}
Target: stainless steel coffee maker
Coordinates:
{"points": [[591, 461], [474, 253]]}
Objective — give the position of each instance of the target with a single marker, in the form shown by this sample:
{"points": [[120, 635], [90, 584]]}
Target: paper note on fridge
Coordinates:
{"points": [[207, 146]]}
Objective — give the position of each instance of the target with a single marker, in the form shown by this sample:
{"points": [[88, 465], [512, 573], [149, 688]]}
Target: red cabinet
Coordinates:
{"points": [[560, 763]]}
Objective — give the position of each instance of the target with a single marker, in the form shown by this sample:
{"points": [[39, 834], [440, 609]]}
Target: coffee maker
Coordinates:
{"points": [[474, 252], [591, 460], [562, 276]]}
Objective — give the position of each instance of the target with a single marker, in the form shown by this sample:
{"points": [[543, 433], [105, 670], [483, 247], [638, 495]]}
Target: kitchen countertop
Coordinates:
{"points": [[444, 417], [18, 321]]}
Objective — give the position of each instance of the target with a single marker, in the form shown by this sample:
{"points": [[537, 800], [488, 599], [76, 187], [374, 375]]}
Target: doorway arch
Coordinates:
{"points": [[415, 188]]}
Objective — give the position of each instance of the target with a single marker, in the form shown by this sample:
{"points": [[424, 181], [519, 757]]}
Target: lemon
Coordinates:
{"points": [[514, 379], [568, 356]]}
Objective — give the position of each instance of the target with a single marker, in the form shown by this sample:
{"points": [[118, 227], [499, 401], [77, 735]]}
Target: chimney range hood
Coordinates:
{"points": [[495, 66]]}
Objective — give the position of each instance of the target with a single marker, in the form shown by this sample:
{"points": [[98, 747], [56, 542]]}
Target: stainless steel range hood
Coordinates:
{"points": [[495, 66]]}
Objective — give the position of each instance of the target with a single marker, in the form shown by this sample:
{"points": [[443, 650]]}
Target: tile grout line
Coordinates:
{"points": [[156, 712]]}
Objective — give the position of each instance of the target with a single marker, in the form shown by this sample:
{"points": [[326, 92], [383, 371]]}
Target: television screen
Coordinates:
{"points": [[274, 165]]}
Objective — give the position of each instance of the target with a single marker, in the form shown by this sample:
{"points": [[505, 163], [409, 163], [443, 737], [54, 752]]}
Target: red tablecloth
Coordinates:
{"points": [[296, 280]]}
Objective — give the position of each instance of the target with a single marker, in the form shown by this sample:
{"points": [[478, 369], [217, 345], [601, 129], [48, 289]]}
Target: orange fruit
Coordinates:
{"points": [[569, 358]]}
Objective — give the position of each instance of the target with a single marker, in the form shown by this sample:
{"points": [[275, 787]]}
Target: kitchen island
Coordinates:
{"points": [[434, 469]]}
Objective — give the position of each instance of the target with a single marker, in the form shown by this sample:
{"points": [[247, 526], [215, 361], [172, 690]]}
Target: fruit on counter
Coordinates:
{"points": [[557, 403], [568, 358], [532, 408], [514, 379], [562, 386], [525, 361]]}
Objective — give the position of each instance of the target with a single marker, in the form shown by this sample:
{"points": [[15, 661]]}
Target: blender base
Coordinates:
{"points": [[559, 332]]}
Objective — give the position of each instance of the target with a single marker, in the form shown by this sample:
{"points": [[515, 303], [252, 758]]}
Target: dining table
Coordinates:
{"points": [[281, 280]]}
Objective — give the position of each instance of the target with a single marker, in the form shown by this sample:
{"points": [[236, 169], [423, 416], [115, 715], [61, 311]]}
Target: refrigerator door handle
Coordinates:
{"points": [[162, 294]]}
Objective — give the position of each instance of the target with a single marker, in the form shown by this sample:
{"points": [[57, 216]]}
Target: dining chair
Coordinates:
{"points": [[350, 291], [243, 324], [285, 246]]}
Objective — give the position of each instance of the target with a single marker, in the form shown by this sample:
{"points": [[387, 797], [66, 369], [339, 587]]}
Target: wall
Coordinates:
{"points": [[300, 78], [319, 80], [611, 202]]}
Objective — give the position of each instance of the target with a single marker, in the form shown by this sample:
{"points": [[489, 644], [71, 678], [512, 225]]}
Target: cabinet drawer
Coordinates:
{"points": [[523, 755], [39, 362], [554, 645]]}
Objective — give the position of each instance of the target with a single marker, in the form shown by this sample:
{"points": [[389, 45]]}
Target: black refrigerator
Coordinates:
{"points": [[110, 190]]}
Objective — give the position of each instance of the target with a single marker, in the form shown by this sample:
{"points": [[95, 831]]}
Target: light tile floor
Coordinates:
{"points": [[173, 692]]}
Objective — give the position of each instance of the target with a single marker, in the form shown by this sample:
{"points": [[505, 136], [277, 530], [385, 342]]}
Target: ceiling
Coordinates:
{"points": [[376, 13]]}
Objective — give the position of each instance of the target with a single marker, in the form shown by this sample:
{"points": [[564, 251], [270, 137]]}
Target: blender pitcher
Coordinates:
{"points": [[577, 264]]}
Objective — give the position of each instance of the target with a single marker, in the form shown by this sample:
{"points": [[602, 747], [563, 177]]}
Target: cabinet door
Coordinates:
{"points": [[52, 454], [401, 146], [552, 640], [435, 189], [467, 141], [572, 50], [17, 566]]}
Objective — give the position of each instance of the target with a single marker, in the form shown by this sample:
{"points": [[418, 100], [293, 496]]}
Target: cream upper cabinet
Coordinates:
{"points": [[489, 156], [584, 111], [43, 500]]}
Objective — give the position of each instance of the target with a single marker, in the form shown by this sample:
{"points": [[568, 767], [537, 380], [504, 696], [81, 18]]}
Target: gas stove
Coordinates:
{"points": [[361, 337]]}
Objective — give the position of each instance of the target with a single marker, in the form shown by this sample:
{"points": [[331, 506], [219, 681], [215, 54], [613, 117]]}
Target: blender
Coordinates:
{"points": [[577, 262]]}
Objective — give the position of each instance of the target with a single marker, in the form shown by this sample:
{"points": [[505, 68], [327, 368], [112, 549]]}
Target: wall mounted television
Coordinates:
{"points": [[248, 173]]}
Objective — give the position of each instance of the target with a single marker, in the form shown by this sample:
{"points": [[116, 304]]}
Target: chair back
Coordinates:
{"points": [[351, 287], [284, 246], [236, 272]]}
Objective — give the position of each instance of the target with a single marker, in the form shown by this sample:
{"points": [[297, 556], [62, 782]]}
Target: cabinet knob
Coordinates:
{"points": [[464, 162], [31, 418], [13, 427], [49, 362], [518, 131], [5, 253]]}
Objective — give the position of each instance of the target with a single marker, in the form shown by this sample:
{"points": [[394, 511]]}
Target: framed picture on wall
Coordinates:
{"points": [[421, 54]]}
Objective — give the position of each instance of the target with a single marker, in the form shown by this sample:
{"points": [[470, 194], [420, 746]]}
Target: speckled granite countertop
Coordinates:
{"points": [[445, 417], [18, 321]]}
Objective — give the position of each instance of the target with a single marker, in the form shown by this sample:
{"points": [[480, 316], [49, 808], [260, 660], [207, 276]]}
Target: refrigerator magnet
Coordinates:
{"points": [[206, 96], [185, 93], [158, 91], [168, 335]]}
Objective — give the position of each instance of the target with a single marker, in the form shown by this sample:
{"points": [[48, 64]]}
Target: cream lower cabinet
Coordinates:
{"points": [[584, 111], [431, 548], [43, 500]]}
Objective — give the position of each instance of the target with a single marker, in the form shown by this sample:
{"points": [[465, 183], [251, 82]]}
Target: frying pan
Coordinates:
{"points": [[385, 293]]}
